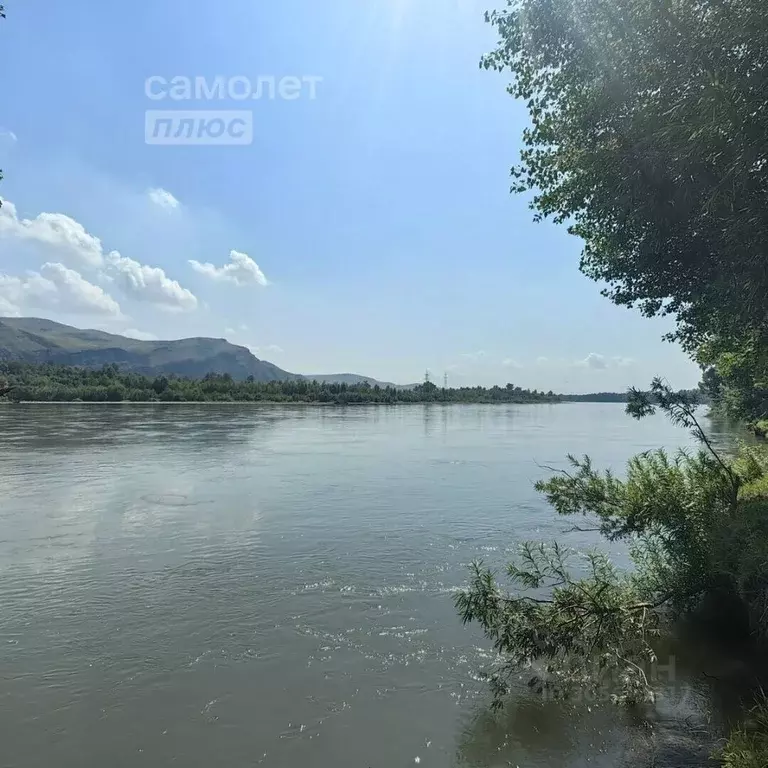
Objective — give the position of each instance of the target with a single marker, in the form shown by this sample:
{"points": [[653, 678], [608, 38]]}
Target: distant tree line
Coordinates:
{"points": [[699, 396], [60, 383], [598, 397]]}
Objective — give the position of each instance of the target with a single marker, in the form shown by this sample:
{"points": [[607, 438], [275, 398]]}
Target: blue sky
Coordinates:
{"points": [[369, 229]]}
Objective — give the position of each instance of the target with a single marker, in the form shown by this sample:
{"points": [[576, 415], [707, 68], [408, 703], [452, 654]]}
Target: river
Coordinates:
{"points": [[203, 585]]}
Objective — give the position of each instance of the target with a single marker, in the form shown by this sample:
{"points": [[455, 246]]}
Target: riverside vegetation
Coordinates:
{"points": [[61, 383], [649, 140]]}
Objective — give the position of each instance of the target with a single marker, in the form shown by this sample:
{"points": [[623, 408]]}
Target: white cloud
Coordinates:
{"points": [[56, 230], [70, 239], [8, 142], [132, 333], [474, 356], [78, 294], [7, 309], [150, 284], [542, 361], [57, 287], [241, 270], [18, 293], [163, 198], [599, 362], [11, 294], [8, 139], [595, 361], [273, 349], [230, 332], [510, 363]]}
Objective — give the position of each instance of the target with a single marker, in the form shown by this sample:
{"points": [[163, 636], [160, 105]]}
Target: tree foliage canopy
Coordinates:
{"points": [[649, 137], [696, 526]]}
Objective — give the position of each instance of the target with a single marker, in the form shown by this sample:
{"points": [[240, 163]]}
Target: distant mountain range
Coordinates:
{"points": [[33, 340]]}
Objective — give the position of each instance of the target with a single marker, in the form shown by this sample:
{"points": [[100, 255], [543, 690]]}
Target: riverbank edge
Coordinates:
{"points": [[309, 403]]}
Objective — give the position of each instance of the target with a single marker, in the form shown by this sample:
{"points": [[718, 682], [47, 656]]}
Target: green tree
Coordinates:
{"points": [[696, 526], [160, 384], [649, 138], [736, 374]]}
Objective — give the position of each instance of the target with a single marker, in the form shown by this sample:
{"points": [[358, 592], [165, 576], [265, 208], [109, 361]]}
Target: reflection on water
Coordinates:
{"points": [[533, 732], [232, 585]]}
